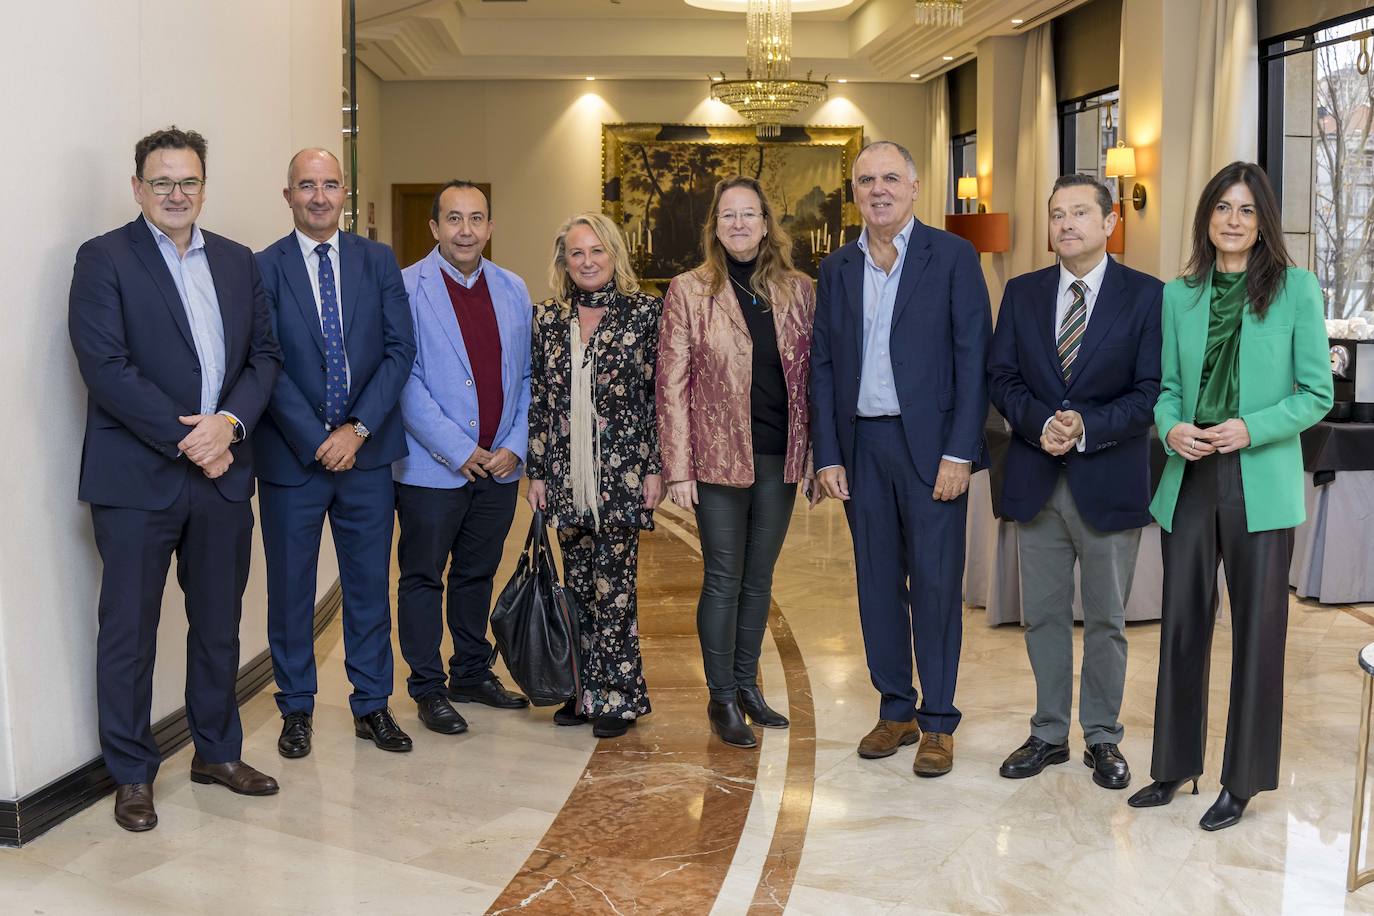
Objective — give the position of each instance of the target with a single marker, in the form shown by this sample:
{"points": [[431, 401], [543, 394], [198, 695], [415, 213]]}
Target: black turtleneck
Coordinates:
{"points": [[768, 391]]}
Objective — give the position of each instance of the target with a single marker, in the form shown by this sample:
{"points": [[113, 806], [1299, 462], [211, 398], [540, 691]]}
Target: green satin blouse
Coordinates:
{"points": [[1219, 392]]}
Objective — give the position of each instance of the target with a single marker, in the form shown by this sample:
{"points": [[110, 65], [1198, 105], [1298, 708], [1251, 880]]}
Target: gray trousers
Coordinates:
{"points": [[1049, 546]]}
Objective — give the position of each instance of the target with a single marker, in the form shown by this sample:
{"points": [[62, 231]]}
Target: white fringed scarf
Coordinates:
{"points": [[585, 429]]}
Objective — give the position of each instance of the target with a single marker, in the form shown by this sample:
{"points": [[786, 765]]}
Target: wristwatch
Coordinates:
{"points": [[361, 431]]}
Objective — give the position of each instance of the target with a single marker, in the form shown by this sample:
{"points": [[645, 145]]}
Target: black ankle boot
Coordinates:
{"points": [[728, 721], [1225, 811], [758, 710], [1160, 792]]}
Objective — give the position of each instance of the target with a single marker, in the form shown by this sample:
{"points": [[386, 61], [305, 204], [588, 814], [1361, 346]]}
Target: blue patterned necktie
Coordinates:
{"points": [[336, 371]]}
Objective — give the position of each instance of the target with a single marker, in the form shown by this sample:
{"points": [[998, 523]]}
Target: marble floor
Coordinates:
{"points": [[521, 816]]}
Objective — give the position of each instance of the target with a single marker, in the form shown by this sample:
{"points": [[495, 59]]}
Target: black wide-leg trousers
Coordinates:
{"points": [[1209, 526]]}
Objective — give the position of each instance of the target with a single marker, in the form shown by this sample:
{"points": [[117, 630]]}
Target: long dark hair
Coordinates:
{"points": [[1268, 261]]}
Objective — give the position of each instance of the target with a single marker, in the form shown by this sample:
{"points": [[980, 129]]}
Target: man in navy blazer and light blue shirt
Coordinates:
{"points": [[174, 342], [1075, 369], [325, 449], [465, 409], [898, 402]]}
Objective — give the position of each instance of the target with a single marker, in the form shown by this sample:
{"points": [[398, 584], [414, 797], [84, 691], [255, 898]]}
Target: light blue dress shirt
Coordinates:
{"points": [[877, 388], [195, 285], [467, 281]]}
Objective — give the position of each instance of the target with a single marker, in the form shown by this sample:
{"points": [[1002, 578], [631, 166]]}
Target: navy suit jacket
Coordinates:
{"points": [[135, 351], [941, 325], [379, 340], [1114, 387]]}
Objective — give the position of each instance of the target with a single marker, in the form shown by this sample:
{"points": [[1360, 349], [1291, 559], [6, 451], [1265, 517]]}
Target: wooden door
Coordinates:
{"points": [[411, 205]]}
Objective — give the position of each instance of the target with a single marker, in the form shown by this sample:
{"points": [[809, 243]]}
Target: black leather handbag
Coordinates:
{"points": [[535, 625]]}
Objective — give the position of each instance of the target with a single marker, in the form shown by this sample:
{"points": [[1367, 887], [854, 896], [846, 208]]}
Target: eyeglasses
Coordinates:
{"points": [[191, 187], [748, 216], [309, 187]]}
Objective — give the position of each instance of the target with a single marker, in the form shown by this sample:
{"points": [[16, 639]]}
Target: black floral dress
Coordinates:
{"points": [[600, 560]]}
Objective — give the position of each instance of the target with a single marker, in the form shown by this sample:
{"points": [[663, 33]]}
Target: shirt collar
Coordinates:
{"points": [[1092, 279], [900, 240], [457, 274], [197, 238], [308, 245]]}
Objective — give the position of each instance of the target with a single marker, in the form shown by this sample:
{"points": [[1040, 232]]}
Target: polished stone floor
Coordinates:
{"points": [[518, 815]]}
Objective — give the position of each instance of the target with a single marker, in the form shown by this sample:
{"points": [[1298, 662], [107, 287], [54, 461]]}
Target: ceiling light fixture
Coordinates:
{"points": [[1017, 21], [591, 79], [947, 57], [841, 81], [767, 96], [915, 76], [940, 12]]}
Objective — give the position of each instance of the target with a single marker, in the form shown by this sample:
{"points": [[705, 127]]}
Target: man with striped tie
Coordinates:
{"points": [[1074, 368]]}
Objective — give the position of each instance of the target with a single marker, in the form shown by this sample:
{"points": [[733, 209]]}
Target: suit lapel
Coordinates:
{"points": [[1106, 309], [351, 266], [1045, 306], [852, 279], [1192, 344], [298, 281], [440, 304], [913, 265], [145, 247], [729, 303]]}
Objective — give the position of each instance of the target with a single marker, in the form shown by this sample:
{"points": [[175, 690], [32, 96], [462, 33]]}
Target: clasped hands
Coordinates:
{"points": [[207, 444], [482, 463], [1193, 443], [1062, 432]]}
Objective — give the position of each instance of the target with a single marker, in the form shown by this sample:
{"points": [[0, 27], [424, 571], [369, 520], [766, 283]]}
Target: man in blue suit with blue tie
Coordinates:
{"points": [[898, 401], [325, 449], [174, 341], [1075, 369], [466, 409]]}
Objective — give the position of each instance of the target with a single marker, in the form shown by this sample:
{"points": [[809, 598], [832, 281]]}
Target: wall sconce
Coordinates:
{"points": [[990, 233], [968, 190], [1121, 164]]}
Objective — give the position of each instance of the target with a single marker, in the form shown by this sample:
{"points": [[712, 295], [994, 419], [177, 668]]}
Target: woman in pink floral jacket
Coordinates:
{"points": [[733, 368]]}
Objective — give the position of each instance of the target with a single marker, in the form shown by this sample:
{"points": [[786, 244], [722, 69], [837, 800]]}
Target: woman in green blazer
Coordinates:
{"points": [[1245, 371]]}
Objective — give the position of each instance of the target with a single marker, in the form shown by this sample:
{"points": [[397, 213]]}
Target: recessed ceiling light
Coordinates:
{"points": [[717, 79], [1017, 21], [948, 57], [915, 76], [841, 81], [591, 79]]}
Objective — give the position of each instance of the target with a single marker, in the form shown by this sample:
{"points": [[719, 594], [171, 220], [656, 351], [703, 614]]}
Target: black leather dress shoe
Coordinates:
{"points": [[1110, 769], [1032, 757], [296, 730], [381, 729], [727, 720], [568, 715], [611, 726], [438, 715], [1159, 792], [758, 711], [1225, 811], [489, 693], [134, 807], [236, 776]]}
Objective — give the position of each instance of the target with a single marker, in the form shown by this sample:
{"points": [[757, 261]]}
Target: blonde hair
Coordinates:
{"points": [[608, 233], [774, 269]]}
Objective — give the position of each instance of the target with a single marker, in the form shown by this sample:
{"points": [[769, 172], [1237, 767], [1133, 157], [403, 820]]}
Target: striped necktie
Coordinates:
{"points": [[1071, 331]]}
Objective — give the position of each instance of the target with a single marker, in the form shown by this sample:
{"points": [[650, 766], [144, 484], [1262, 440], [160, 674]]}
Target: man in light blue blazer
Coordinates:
{"points": [[464, 410]]}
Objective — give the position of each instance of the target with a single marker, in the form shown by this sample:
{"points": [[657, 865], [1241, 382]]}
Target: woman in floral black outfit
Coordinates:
{"points": [[593, 462]]}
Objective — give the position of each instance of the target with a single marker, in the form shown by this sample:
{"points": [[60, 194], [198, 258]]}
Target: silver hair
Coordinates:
{"points": [[906, 155]]}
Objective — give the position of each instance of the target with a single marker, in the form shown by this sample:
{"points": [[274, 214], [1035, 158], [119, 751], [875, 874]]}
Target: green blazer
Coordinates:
{"points": [[1285, 387]]}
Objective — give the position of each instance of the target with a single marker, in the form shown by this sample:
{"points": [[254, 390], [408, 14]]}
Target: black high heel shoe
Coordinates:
{"points": [[1225, 811], [1159, 793], [758, 710]]}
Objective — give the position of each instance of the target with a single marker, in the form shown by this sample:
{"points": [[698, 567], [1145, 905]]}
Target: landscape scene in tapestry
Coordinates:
{"points": [[665, 190]]}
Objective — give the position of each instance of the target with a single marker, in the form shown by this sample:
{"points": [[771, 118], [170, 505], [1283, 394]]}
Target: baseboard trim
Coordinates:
{"points": [[23, 820]]}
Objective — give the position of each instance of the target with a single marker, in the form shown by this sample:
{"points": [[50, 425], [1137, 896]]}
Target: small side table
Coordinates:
{"points": [[1354, 878]]}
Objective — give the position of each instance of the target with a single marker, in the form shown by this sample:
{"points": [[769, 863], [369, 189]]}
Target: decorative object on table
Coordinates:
{"points": [[1352, 369], [535, 625], [768, 97], [946, 13], [657, 181]]}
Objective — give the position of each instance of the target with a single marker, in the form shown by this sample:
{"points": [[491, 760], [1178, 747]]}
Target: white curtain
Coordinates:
{"points": [[932, 204], [1225, 100], [1037, 156]]}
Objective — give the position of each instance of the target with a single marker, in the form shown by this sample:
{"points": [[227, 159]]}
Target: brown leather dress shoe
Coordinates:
{"points": [[236, 776], [134, 807], [886, 737], [935, 756]]}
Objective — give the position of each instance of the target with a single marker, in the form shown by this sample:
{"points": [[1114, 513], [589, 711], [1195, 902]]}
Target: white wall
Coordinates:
{"points": [[259, 78], [539, 143]]}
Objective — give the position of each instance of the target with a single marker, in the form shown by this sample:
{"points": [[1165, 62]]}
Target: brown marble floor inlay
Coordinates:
{"points": [[654, 821]]}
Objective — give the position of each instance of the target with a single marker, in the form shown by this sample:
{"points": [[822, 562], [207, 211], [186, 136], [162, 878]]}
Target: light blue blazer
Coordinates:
{"points": [[439, 400]]}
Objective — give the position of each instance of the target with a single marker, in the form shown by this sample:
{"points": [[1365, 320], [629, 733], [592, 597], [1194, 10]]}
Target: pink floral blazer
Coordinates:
{"points": [[705, 369]]}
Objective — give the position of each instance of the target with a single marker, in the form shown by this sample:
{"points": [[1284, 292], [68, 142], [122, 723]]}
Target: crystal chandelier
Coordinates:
{"points": [[940, 12], [768, 96]]}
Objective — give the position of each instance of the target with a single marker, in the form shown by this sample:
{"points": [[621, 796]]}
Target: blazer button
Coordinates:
{"points": [[1064, 403], [196, 370], [852, 421], [319, 408], [468, 383], [323, 367], [472, 423]]}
